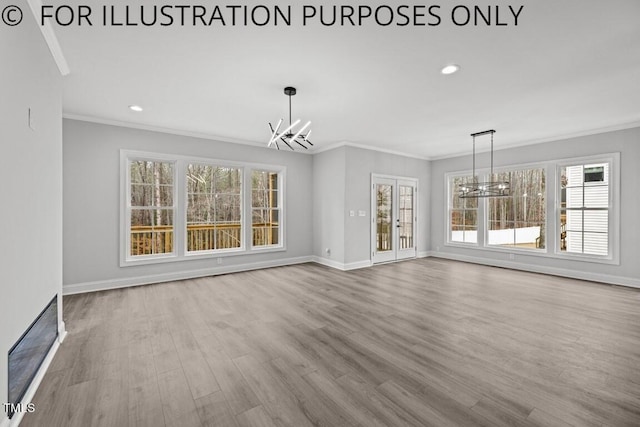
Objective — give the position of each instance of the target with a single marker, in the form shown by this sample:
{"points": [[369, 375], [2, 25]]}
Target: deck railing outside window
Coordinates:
{"points": [[147, 240]]}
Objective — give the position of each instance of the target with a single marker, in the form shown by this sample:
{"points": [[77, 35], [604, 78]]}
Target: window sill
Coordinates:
{"points": [[543, 253], [199, 256], [274, 248], [469, 245]]}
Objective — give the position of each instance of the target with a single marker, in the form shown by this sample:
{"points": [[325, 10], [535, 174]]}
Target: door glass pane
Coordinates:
{"points": [[384, 229], [406, 217]]}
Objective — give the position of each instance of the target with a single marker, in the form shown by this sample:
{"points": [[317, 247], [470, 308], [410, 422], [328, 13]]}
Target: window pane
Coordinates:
{"points": [[149, 172], [200, 208], [463, 212], [574, 241], [384, 230], [587, 224], [265, 212], [264, 198], [502, 236], [456, 220], [214, 207], [574, 220], [500, 213], [264, 189], [597, 221], [596, 196], [596, 243], [141, 218], [520, 218], [574, 197], [464, 226], [228, 236], [529, 237], [227, 208], [406, 217], [151, 231], [151, 186], [199, 179], [470, 237], [574, 175], [141, 195]]}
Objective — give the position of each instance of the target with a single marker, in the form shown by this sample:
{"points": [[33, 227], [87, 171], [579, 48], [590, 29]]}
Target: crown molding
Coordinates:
{"points": [[50, 37], [589, 132], [367, 147], [321, 149], [171, 131], [203, 135]]}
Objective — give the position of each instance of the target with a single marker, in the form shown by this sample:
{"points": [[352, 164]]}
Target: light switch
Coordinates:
{"points": [[362, 213], [352, 213]]}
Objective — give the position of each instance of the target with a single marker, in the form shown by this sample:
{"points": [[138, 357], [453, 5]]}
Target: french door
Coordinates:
{"points": [[394, 217]]}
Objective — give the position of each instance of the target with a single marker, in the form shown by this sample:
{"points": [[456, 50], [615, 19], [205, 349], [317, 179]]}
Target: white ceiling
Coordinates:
{"points": [[570, 67]]}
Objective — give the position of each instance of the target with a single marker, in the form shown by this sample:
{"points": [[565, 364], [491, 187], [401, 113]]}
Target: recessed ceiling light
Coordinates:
{"points": [[450, 69], [136, 108]]}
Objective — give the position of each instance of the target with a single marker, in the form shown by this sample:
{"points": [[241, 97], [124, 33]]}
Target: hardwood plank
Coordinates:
{"points": [[280, 403], [237, 392], [214, 411], [178, 405], [256, 417]]}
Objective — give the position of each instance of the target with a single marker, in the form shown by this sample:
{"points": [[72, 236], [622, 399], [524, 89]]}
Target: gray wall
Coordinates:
{"points": [[627, 142], [342, 182], [31, 173], [360, 165], [328, 204], [92, 202]]}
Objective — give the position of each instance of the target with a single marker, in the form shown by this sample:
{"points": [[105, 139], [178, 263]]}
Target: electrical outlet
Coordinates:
{"points": [[31, 119], [362, 213], [327, 251], [352, 213]]}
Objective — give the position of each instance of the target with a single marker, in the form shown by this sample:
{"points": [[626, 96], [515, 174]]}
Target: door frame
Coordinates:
{"points": [[375, 177]]}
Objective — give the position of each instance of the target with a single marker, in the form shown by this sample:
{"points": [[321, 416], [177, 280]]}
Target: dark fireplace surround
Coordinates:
{"points": [[29, 352]]}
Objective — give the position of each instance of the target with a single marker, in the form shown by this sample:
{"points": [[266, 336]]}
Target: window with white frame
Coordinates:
{"points": [[586, 225], [214, 207], [518, 220], [585, 205], [265, 206], [463, 213], [177, 207], [150, 207]]}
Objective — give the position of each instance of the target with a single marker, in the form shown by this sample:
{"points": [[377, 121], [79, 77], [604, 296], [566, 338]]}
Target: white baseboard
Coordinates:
{"points": [[341, 266], [102, 285], [423, 254], [554, 271], [31, 391], [62, 332]]}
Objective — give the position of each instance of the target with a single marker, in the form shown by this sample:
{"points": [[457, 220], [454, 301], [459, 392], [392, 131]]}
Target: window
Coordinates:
{"points": [[265, 206], [463, 213], [585, 209], [214, 207], [585, 225], [150, 208], [519, 220], [175, 208]]}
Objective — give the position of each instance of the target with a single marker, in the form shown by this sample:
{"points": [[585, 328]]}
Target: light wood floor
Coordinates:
{"points": [[420, 343]]}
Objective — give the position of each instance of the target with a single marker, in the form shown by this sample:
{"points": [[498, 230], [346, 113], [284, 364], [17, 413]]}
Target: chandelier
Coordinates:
{"points": [[489, 188], [289, 136]]}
